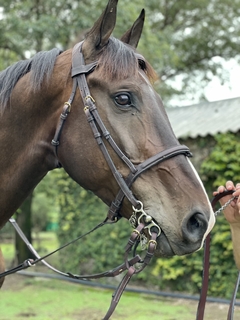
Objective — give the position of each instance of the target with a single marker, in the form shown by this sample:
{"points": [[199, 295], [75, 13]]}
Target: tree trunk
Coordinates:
{"points": [[24, 221]]}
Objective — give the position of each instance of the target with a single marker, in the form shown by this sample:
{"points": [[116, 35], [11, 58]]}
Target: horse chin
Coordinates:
{"points": [[164, 248]]}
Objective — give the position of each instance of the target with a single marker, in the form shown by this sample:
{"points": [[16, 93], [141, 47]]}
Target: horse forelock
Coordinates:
{"points": [[119, 61], [41, 67]]}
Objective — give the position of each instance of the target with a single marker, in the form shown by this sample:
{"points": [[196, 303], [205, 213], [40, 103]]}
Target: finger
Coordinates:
{"points": [[221, 189], [229, 185], [236, 193]]}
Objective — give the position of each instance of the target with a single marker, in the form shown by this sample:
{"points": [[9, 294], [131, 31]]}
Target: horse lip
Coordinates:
{"points": [[164, 248]]}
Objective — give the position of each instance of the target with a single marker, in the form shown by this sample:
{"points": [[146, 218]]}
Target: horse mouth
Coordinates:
{"points": [[164, 248], [169, 248]]}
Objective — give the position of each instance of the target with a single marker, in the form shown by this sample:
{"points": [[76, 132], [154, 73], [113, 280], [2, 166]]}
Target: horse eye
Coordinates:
{"points": [[123, 100]]}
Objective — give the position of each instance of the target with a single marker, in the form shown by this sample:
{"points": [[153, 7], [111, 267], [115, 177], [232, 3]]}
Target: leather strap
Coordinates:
{"points": [[205, 280], [118, 293], [131, 269], [63, 117], [110, 273], [89, 102], [31, 262], [156, 159], [206, 266]]}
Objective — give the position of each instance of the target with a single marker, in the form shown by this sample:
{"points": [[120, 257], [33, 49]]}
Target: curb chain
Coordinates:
{"points": [[224, 206]]}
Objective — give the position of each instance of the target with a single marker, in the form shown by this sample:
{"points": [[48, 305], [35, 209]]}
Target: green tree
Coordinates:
{"points": [[194, 39], [186, 41]]}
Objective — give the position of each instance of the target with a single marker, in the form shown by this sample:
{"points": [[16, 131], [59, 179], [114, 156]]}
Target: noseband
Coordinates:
{"points": [[79, 71]]}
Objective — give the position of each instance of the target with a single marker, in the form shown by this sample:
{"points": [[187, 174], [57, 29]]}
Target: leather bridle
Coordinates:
{"points": [[101, 134]]}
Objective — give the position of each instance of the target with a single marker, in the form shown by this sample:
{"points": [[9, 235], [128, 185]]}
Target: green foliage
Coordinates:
{"points": [[45, 208], [223, 162], [80, 212], [193, 36]]}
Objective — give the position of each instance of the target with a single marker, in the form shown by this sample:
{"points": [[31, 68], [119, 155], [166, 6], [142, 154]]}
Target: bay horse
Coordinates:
{"points": [[32, 95]]}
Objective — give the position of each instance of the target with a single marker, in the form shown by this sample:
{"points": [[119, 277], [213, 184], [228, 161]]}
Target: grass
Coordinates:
{"points": [[43, 299], [40, 299], [54, 300]]}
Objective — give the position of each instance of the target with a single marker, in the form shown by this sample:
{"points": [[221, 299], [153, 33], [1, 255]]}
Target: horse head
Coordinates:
{"points": [[121, 86]]}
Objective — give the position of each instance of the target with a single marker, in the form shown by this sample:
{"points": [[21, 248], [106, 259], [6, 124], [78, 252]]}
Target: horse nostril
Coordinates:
{"points": [[194, 227], [193, 223]]}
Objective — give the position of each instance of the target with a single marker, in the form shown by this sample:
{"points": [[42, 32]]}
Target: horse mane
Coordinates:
{"points": [[119, 61], [41, 65]]}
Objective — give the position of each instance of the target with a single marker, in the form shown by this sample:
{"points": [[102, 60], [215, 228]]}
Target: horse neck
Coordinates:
{"points": [[26, 129]]}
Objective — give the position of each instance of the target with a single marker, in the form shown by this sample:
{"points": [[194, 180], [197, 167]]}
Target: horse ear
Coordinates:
{"points": [[133, 35], [99, 34]]}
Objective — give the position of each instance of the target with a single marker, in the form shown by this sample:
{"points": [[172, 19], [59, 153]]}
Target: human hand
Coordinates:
{"points": [[232, 211]]}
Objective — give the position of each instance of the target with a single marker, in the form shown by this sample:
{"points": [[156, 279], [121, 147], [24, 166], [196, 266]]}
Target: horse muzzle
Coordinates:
{"points": [[194, 227]]}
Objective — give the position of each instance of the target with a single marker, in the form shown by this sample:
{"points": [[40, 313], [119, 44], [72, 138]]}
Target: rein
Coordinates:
{"points": [[206, 266], [129, 265]]}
